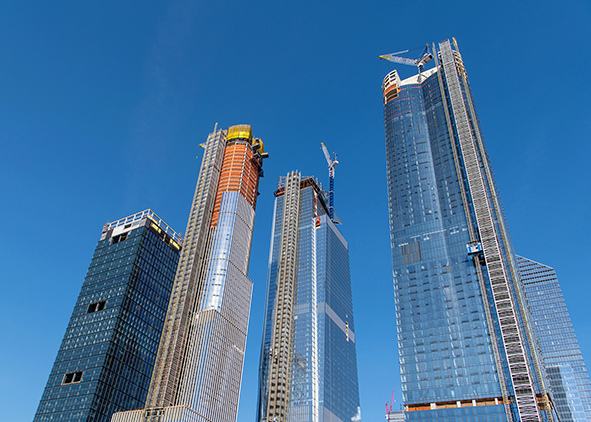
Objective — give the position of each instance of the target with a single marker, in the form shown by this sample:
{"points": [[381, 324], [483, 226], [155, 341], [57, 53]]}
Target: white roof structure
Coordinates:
{"points": [[415, 79]]}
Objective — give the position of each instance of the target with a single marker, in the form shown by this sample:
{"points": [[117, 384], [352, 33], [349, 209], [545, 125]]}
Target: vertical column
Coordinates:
{"points": [[279, 376]]}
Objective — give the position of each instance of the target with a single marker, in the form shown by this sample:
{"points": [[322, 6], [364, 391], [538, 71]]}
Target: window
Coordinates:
{"points": [[72, 377], [97, 306], [120, 238]]}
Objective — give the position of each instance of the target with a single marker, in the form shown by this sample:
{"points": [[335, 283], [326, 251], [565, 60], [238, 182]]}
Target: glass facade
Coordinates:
{"points": [[464, 344], [566, 371], [321, 371], [106, 358]]}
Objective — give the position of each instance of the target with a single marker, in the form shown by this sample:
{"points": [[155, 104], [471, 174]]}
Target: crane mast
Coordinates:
{"points": [[331, 165]]}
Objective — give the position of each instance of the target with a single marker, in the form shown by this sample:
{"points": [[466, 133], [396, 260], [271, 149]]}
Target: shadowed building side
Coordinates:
{"points": [[107, 355]]}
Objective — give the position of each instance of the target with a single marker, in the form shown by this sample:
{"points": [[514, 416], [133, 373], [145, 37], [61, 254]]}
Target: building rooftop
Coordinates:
{"points": [[141, 215], [415, 78]]}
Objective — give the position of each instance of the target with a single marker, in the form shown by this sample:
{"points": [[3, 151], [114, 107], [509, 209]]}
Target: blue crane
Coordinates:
{"points": [[331, 165]]}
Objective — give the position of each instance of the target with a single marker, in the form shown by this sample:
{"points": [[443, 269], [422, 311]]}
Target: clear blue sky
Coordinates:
{"points": [[103, 105]]}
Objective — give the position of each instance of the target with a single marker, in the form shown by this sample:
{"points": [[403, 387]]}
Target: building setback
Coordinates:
{"points": [[466, 349], [565, 368], [198, 369], [106, 358], [308, 366]]}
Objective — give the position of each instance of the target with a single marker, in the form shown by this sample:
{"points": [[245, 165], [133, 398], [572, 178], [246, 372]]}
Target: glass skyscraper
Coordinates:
{"points": [[198, 368], [466, 350], [106, 358], [308, 366], [566, 371]]}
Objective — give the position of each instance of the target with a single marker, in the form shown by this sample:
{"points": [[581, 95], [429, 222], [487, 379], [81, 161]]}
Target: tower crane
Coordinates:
{"points": [[331, 165], [426, 57], [390, 407]]}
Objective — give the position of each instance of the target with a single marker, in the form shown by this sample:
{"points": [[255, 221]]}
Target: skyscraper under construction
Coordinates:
{"points": [[308, 366], [198, 368], [466, 349]]}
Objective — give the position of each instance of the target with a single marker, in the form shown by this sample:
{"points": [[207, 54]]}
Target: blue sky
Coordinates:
{"points": [[103, 105]]}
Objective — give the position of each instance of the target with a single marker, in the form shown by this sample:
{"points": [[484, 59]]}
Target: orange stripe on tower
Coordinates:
{"points": [[240, 173]]}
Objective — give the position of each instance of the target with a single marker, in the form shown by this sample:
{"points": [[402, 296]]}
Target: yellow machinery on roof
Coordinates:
{"points": [[244, 132], [240, 132]]}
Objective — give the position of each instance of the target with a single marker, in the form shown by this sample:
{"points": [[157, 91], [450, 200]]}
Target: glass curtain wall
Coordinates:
{"points": [[106, 358]]}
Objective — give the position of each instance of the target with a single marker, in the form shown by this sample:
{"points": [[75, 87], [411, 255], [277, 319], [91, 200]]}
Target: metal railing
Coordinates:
{"points": [[141, 215]]}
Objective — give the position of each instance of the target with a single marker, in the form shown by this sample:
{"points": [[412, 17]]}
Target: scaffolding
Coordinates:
{"points": [[280, 351], [171, 352], [520, 374]]}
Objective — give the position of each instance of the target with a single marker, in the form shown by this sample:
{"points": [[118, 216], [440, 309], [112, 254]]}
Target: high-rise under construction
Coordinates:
{"points": [[466, 348], [308, 366], [198, 368]]}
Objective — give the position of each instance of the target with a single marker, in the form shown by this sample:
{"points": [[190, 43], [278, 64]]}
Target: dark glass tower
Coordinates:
{"points": [[465, 347], [106, 358], [308, 367], [567, 374]]}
